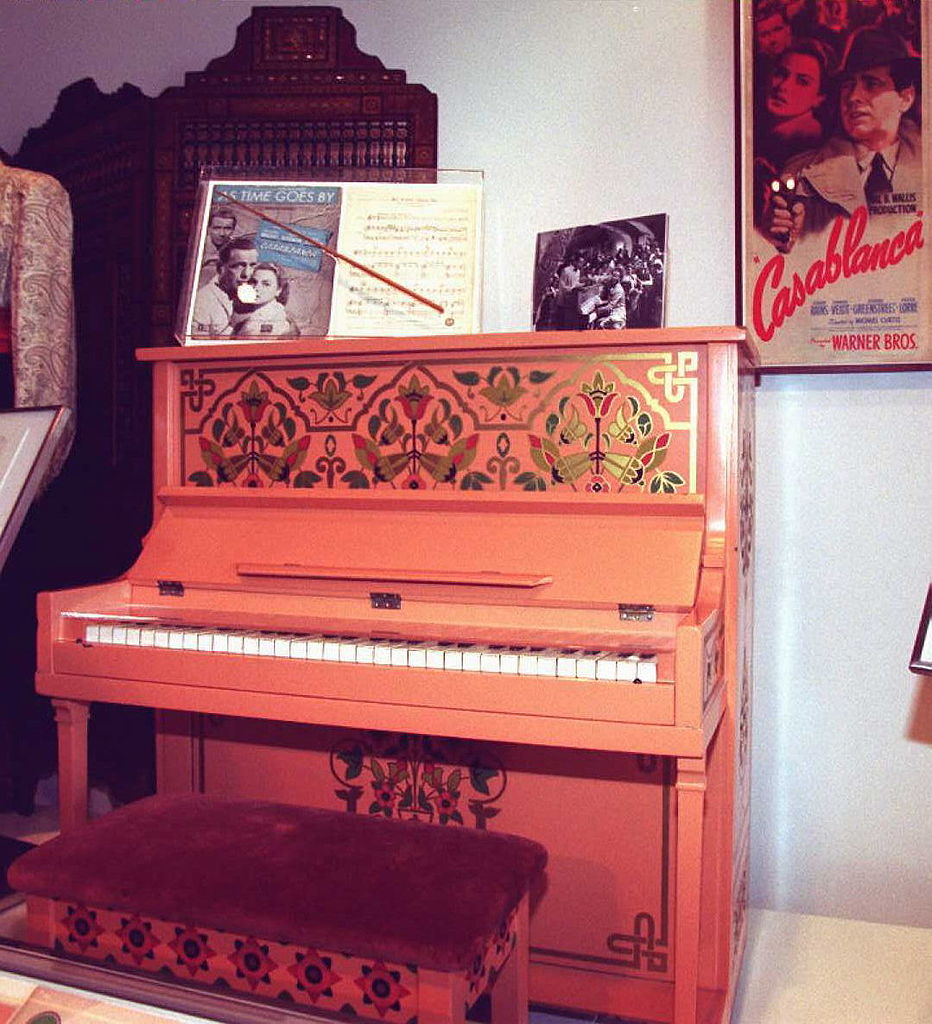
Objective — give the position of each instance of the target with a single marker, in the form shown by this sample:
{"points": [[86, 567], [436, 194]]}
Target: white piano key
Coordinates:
{"points": [[283, 645], [606, 668], [190, 640], [365, 652], [627, 668], [647, 670], [527, 661], [236, 643], [547, 662], [119, 634], [297, 648], [399, 655], [106, 633], [586, 664], [176, 639], [417, 656], [266, 646], [566, 664], [472, 658], [92, 633], [133, 634], [490, 660], [509, 660], [160, 637], [331, 648], [433, 656], [382, 652], [453, 658], [315, 648], [347, 649], [219, 641], [251, 643]]}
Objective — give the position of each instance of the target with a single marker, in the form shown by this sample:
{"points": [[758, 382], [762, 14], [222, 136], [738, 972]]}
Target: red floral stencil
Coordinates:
{"points": [[381, 988], [313, 974], [81, 927], [138, 938], [191, 949]]}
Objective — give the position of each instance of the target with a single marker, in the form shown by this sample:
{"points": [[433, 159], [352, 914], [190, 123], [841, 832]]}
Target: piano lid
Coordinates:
{"points": [[438, 549]]}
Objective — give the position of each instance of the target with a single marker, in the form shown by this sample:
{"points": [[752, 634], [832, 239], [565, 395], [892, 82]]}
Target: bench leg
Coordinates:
{"points": [[510, 991], [40, 921], [441, 997], [71, 719]]}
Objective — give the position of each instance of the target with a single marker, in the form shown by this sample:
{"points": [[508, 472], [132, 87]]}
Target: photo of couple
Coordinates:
{"points": [[255, 279]]}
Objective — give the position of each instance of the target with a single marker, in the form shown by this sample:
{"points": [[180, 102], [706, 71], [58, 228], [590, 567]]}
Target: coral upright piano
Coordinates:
{"points": [[494, 581]]}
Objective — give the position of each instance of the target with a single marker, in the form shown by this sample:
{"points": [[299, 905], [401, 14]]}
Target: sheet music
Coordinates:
{"points": [[425, 237]]}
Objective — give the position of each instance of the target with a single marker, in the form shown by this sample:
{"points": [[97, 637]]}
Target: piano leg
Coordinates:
{"points": [[71, 719], [690, 803]]}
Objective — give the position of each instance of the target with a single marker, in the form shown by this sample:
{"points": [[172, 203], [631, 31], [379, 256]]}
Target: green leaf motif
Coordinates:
{"points": [[553, 421], [201, 479], [479, 779], [531, 482], [539, 376], [217, 430], [307, 478], [361, 381], [299, 383], [356, 479], [475, 481], [468, 377]]}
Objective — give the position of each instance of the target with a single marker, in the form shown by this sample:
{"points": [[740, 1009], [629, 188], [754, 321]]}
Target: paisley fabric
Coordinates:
{"points": [[36, 289]]}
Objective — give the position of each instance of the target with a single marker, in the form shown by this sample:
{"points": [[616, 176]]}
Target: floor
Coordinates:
{"points": [[799, 969]]}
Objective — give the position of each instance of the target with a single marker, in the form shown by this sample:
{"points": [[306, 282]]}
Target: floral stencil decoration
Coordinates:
{"points": [[253, 443], [586, 443], [405, 443]]}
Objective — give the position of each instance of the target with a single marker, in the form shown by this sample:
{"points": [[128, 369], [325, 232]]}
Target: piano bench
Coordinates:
{"points": [[326, 910]]}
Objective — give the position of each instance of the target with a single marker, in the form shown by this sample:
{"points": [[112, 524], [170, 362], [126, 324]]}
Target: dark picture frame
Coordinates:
{"points": [[28, 439], [921, 658]]}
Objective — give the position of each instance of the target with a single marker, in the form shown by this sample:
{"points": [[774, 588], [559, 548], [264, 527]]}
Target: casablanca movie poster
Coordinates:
{"points": [[837, 182]]}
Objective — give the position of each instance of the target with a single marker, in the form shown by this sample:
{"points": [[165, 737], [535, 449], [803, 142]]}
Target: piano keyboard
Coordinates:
{"points": [[549, 662]]}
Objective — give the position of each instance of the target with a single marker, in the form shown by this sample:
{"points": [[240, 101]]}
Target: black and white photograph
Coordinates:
{"points": [[603, 276]]}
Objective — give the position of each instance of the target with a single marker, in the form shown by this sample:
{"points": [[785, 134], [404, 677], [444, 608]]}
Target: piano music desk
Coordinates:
{"points": [[535, 545]]}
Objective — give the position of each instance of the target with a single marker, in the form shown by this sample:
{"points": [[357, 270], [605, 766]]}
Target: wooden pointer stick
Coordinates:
{"points": [[331, 252]]}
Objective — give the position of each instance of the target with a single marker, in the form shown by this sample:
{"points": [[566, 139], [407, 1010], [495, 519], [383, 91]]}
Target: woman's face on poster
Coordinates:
{"points": [[266, 285], [795, 86]]}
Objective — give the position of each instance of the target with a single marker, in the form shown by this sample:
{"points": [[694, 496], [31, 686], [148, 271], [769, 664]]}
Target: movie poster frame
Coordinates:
{"points": [[792, 347]]}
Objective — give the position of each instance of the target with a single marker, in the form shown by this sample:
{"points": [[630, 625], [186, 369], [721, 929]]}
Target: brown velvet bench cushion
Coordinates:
{"points": [[411, 892]]}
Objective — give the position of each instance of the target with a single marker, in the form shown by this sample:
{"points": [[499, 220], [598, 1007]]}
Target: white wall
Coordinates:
{"points": [[584, 110]]}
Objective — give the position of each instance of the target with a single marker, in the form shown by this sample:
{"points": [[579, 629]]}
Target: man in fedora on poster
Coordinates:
{"points": [[876, 159]]}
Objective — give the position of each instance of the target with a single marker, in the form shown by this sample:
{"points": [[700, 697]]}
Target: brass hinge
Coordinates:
{"points": [[381, 599], [171, 588], [636, 612]]}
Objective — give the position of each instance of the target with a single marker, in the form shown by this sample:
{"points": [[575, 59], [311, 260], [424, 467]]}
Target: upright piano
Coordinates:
{"points": [[498, 581]]}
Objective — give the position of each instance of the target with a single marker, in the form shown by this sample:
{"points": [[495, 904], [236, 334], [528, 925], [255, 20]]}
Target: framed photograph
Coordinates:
{"points": [[921, 660], [28, 438], [836, 182], [609, 275], [279, 259]]}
